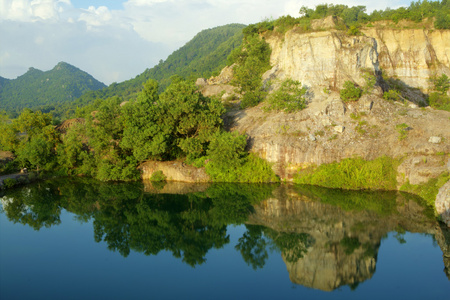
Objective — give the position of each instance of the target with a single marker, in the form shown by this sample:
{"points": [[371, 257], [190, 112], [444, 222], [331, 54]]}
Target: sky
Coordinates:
{"points": [[116, 40]]}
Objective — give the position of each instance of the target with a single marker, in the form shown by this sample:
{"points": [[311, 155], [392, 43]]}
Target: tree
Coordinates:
{"points": [[350, 92], [179, 122], [251, 60]]}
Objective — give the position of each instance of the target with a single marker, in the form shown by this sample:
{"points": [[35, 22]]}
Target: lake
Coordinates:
{"points": [[83, 239]]}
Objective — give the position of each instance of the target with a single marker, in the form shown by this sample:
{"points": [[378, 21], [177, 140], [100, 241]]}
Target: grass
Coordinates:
{"points": [[402, 130], [353, 174]]}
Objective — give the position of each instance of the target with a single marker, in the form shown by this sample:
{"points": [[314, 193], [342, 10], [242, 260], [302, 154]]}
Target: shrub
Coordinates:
{"points": [[158, 176], [353, 30], [350, 92], [230, 163], [289, 97], [391, 95], [439, 101], [402, 130], [9, 182], [441, 83]]}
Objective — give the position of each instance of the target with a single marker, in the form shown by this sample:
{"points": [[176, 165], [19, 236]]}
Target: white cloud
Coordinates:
{"points": [[27, 11], [96, 16], [118, 44]]}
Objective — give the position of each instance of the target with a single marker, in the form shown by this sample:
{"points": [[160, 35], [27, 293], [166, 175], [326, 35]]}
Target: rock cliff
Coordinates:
{"points": [[329, 130]]}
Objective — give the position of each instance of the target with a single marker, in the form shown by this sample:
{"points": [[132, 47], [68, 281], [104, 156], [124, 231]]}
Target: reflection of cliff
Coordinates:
{"points": [[346, 239]]}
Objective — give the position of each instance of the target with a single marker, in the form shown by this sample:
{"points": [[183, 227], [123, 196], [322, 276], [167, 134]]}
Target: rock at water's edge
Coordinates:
{"points": [[442, 203]]}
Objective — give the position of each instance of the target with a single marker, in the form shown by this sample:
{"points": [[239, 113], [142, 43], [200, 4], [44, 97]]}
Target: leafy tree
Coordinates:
{"points": [[441, 83], [289, 97], [251, 60], [179, 122]]}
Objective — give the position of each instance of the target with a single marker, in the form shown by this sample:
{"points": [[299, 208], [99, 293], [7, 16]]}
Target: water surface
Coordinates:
{"points": [[78, 239]]}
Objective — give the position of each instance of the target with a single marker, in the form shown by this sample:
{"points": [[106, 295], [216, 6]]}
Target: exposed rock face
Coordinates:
{"points": [[324, 59], [217, 85], [329, 262], [367, 128], [412, 55], [174, 171], [443, 203]]}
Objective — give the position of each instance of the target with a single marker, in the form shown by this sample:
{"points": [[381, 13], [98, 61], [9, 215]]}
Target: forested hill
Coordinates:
{"points": [[43, 90], [203, 56]]}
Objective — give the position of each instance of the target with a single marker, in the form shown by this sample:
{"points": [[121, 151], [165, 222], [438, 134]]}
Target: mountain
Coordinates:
{"points": [[203, 56], [43, 90]]}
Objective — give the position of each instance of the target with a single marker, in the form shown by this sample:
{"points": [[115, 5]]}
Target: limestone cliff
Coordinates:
{"points": [[323, 59], [326, 59], [412, 55], [329, 130]]}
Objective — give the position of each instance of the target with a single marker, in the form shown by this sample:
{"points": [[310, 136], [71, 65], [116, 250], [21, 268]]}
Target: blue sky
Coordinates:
{"points": [[111, 4], [115, 40]]}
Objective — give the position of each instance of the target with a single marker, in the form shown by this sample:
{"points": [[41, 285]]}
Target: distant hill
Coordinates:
{"points": [[44, 90], [205, 55]]}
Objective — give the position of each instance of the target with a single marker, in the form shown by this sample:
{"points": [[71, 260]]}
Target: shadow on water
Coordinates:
{"points": [[327, 238]]}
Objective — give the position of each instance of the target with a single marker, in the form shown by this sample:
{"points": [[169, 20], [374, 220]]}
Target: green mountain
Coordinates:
{"points": [[44, 90], [205, 55]]}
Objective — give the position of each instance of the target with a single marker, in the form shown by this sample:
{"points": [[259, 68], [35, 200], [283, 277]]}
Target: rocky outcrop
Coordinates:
{"points": [[442, 203], [367, 129], [412, 55], [174, 171], [323, 59], [220, 85]]}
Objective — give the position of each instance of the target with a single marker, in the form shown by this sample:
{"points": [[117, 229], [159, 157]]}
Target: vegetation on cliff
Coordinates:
{"points": [[353, 174], [355, 16]]}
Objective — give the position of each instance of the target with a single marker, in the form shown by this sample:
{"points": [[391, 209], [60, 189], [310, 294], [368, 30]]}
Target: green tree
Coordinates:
{"points": [[180, 122], [251, 60], [289, 97], [350, 92]]}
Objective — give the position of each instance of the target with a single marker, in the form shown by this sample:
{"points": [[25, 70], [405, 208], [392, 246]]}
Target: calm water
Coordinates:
{"points": [[67, 239]]}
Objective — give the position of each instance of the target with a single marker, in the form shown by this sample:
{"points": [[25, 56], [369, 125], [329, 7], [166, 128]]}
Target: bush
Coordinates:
{"points": [[9, 182], [438, 101], [402, 130], [289, 97], [391, 95], [441, 83], [350, 92], [228, 161], [158, 176]]}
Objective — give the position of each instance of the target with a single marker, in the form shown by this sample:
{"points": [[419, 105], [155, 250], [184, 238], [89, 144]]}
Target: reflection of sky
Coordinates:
{"points": [[65, 260]]}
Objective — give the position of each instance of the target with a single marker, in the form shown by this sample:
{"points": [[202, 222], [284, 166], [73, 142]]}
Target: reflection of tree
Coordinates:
{"points": [[37, 207], [252, 246], [382, 202], [292, 245]]}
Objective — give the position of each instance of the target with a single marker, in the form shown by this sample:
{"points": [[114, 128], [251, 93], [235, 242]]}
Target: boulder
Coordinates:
{"points": [[442, 203]]}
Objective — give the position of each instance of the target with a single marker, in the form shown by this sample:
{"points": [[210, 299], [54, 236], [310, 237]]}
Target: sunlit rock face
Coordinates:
{"points": [[323, 59], [346, 235], [412, 55]]}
